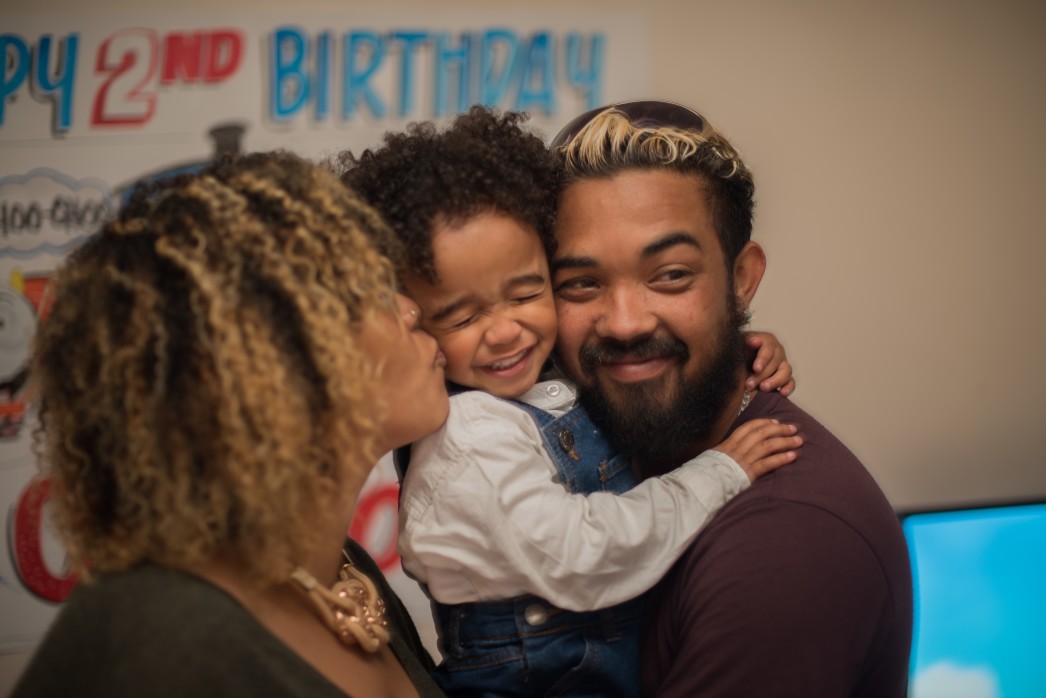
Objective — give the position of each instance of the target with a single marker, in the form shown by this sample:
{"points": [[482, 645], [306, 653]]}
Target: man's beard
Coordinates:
{"points": [[652, 422]]}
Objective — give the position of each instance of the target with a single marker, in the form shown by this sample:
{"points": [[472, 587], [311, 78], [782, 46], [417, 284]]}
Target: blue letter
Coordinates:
{"points": [[446, 57], [589, 81], [290, 84], [539, 79], [9, 83], [492, 86], [322, 85], [355, 81], [60, 90], [410, 40]]}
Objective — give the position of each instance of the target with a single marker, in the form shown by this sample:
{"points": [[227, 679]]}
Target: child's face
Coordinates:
{"points": [[492, 311]]}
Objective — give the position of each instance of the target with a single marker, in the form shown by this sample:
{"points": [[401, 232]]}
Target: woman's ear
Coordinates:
{"points": [[748, 272]]}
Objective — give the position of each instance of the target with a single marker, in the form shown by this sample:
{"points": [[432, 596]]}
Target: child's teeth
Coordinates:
{"points": [[498, 365]]}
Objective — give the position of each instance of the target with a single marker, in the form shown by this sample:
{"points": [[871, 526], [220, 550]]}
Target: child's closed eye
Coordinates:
{"points": [[460, 323]]}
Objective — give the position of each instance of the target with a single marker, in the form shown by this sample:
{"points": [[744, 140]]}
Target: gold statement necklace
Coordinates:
{"points": [[352, 608]]}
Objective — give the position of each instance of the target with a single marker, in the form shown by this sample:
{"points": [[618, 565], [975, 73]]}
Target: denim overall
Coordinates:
{"points": [[527, 647]]}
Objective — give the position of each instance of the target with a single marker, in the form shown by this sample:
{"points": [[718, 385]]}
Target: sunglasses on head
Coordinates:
{"points": [[647, 114]]}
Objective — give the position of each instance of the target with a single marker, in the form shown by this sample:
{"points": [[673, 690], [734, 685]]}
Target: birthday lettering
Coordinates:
{"points": [[497, 67]]}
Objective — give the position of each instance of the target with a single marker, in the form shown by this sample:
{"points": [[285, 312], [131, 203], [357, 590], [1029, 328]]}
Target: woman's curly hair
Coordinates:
{"points": [[201, 387], [482, 162]]}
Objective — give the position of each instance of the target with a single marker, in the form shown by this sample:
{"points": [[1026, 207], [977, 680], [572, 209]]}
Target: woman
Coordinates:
{"points": [[222, 366]]}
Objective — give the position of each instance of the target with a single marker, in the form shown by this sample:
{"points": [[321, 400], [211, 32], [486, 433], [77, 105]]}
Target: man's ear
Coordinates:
{"points": [[748, 272]]}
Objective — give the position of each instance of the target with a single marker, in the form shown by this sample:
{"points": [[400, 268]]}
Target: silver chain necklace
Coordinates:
{"points": [[745, 399]]}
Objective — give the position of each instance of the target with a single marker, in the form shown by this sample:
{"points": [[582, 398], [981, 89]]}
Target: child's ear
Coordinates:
{"points": [[748, 272]]}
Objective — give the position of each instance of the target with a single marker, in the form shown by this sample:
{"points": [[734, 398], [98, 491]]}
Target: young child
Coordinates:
{"points": [[533, 539]]}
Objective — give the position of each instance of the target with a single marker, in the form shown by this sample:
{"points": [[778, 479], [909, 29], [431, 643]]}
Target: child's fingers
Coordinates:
{"points": [[786, 389], [768, 355], [774, 444], [754, 340], [767, 363], [770, 463], [752, 451], [746, 430], [768, 455], [781, 377], [762, 445], [747, 441]]}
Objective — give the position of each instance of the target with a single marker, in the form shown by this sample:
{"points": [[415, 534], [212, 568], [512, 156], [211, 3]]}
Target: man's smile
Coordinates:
{"points": [[635, 369]]}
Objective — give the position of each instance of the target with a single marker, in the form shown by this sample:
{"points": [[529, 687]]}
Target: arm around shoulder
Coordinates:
{"points": [[484, 517]]}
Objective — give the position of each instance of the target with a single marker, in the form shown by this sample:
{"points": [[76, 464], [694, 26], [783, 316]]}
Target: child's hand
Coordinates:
{"points": [[761, 446], [770, 370]]}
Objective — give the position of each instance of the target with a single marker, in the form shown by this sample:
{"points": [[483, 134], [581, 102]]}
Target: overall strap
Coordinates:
{"points": [[584, 458]]}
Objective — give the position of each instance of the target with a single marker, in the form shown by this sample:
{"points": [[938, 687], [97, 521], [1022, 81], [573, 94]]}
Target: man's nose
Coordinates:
{"points": [[625, 315]]}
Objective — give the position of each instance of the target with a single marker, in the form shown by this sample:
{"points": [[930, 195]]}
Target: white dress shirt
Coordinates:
{"points": [[483, 515]]}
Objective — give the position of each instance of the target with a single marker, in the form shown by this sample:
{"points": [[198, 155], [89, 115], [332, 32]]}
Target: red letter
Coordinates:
{"points": [[28, 550], [129, 57], [224, 51], [181, 57], [368, 520]]}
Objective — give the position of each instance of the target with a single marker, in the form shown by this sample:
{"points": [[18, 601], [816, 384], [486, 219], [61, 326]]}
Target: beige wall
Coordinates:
{"points": [[900, 163]]}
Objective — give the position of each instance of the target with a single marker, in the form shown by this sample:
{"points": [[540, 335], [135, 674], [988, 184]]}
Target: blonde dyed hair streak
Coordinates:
{"points": [[610, 143], [200, 383]]}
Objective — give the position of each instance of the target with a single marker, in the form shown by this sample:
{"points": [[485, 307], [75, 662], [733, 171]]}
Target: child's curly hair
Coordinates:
{"points": [[482, 162], [201, 387]]}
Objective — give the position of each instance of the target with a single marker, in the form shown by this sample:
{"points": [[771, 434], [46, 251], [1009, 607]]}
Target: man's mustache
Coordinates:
{"points": [[611, 350]]}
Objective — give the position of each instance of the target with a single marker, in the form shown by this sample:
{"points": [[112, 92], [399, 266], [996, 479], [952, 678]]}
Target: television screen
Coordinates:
{"points": [[980, 601]]}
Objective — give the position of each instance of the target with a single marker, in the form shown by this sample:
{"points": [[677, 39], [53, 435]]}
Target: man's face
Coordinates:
{"points": [[648, 321]]}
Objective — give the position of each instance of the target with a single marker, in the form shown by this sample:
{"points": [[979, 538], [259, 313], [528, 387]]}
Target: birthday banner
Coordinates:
{"points": [[90, 105]]}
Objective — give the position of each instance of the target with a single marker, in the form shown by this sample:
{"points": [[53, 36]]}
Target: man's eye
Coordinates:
{"points": [[578, 286], [527, 298], [579, 282], [673, 276]]}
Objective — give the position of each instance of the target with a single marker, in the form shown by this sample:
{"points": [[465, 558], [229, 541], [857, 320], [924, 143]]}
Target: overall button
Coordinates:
{"points": [[566, 439], [566, 442], [536, 614]]}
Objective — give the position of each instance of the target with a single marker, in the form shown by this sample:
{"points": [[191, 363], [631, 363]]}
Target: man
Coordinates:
{"points": [[801, 585]]}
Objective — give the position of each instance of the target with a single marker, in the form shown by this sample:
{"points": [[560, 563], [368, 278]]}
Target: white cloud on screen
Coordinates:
{"points": [[947, 680]]}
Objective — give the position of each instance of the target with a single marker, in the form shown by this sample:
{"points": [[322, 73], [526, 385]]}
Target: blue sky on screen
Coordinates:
{"points": [[980, 603]]}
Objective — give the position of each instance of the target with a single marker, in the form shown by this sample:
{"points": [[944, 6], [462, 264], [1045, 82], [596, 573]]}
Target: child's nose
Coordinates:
{"points": [[502, 330]]}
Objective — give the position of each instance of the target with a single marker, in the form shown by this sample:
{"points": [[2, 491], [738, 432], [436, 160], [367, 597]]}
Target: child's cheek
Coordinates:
{"points": [[459, 360]]}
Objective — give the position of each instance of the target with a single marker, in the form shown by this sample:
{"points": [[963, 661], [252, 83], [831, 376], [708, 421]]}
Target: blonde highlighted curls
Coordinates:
{"points": [[201, 386], [610, 143]]}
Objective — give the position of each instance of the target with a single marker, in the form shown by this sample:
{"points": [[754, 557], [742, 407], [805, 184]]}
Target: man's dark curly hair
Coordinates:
{"points": [[484, 161]]}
